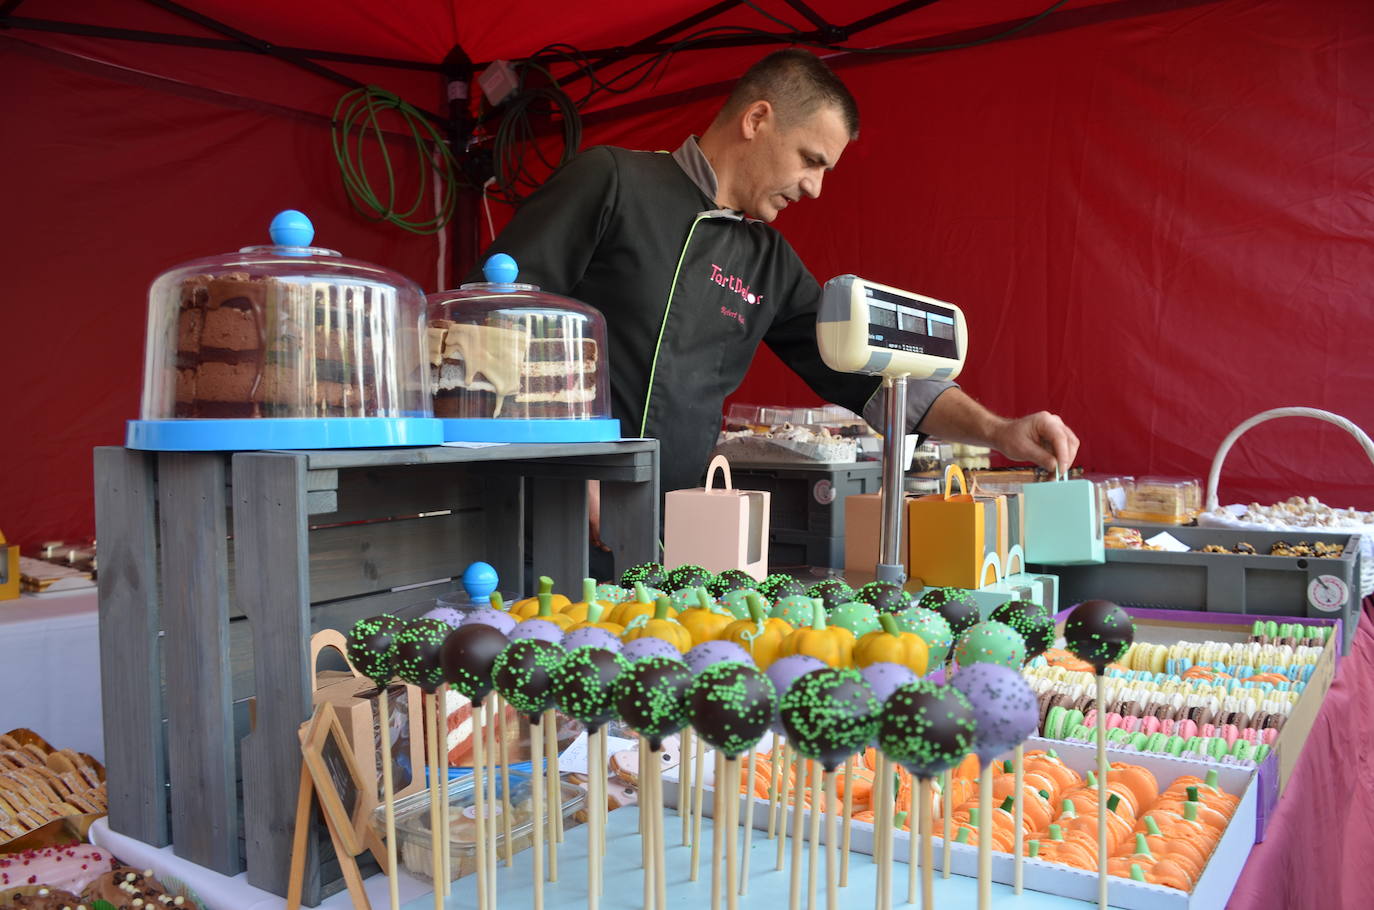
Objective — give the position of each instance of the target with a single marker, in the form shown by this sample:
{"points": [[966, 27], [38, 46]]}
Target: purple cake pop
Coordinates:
{"points": [[447, 615], [541, 629], [499, 620], [710, 653], [1004, 707], [785, 671], [885, 677], [592, 637], [648, 646]]}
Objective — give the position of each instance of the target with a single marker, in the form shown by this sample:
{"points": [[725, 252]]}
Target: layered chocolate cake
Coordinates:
{"points": [[266, 347], [533, 367]]}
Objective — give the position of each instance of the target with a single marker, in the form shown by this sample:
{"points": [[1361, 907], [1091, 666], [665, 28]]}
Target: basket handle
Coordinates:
{"points": [[1214, 475], [718, 464]]}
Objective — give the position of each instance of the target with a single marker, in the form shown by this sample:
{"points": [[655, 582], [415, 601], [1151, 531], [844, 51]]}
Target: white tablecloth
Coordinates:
{"points": [[50, 669]]}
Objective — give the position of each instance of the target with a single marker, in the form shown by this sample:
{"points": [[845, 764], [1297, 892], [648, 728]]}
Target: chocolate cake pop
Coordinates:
{"points": [[832, 591], [523, 674], [370, 646], [829, 714], [795, 609], [1099, 632], [417, 647], [731, 580], [468, 656], [932, 627], [778, 585], [926, 728], [648, 646], [1033, 621], [689, 575], [858, 616], [730, 706], [782, 673], [1004, 707], [651, 697], [584, 685], [591, 637], [885, 677], [991, 642], [886, 596], [709, 653], [649, 574], [499, 620], [956, 605]]}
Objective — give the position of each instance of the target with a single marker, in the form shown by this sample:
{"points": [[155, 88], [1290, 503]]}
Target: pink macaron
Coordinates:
{"points": [[1268, 735], [1187, 729], [1208, 730], [1250, 735], [1132, 724], [1149, 725], [1166, 726], [1230, 733], [1114, 721]]}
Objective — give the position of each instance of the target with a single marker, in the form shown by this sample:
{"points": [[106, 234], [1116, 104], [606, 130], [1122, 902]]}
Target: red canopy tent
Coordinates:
{"points": [[1156, 213]]}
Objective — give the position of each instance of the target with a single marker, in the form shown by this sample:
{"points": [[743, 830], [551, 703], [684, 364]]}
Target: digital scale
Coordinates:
{"points": [[870, 328]]}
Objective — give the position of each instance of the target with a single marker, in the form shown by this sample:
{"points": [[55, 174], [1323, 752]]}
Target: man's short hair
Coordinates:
{"points": [[797, 84]]}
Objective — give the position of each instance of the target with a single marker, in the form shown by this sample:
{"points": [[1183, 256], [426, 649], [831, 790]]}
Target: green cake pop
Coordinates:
{"points": [[737, 602], [991, 642], [932, 627], [796, 610], [857, 616]]}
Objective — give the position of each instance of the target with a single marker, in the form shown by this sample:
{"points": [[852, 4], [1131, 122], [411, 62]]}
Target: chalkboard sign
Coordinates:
{"points": [[338, 784]]}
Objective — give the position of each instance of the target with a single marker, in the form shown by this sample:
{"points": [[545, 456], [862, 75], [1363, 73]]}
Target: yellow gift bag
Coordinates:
{"points": [[950, 534]]}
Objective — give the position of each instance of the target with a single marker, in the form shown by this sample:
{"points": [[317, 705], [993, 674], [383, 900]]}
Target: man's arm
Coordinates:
{"points": [[1042, 438]]}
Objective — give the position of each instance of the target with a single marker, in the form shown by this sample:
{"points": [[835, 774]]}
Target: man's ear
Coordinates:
{"points": [[755, 116]]}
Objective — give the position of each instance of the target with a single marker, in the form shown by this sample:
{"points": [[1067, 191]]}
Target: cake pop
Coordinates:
{"points": [[417, 646], [709, 653], [523, 674], [991, 642], [541, 629], [651, 697], [832, 591], [886, 596], [778, 585], [829, 714], [649, 574], [795, 610], [737, 602], [1033, 621], [1099, 632], [583, 685], [642, 648], [591, 637], [370, 646], [885, 677], [731, 580], [932, 627], [468, 656], [730, 706], [689, 575], [613, 594], [926, 728], [858, 616], [956, 605], [448, 615], [498, 619], [1004, 707]]}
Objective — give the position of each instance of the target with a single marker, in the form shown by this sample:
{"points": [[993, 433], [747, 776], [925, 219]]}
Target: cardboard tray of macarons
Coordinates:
{"points": [[1232, 690]]}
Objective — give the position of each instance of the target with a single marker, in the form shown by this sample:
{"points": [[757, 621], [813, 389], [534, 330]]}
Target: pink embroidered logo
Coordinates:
{"points": [[735, 285]]}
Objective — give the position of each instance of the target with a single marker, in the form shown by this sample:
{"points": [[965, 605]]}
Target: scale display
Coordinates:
{"points": [[865, 327], [914, 326]]}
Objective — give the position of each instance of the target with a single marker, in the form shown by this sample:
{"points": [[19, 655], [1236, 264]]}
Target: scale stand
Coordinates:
{"points": [[890, 563]]}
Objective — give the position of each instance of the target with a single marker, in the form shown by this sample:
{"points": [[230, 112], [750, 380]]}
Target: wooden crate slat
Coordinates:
{"points": [[351, 560], [364, 494]]}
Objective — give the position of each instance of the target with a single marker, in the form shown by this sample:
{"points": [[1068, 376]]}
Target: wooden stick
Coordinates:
{"points": [[480, 802], [593, 824], [300, 840], [389, 801], [882, 833], [717, 828], [914, 825], [732, 796], [493, 829], [659, 860], [798, 789], [748, 821], [537, 810], [786, 792], [445, 810], [698, 794], [927, 847], [348, 864], [505, 781], [603, 762], [832, 859], [435, 819], [812, 865], [985, 838], [1102, 792], [645, 831], [850, 766], [555, 776], [947, 809], [1019, 812], [774, 785], [684, 781], [551, 783]]}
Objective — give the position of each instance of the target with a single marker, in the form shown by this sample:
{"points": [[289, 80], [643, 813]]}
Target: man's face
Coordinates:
{"points": [[785, 163]]}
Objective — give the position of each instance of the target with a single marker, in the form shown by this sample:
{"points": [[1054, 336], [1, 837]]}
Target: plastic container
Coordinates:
{"points": [[1168, 500], [283, 346], [511, 363], [413, 832]]}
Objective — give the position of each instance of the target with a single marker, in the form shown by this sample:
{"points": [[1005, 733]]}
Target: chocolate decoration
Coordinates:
{"points": [[926, 728], [1099, 632], [583, 685], [1034, 621], [956, 605], [885, 596], [467, 658], [689, 576], [732, 580], [649, 574], [829, 715], [651, 697], [832, 592], [730, 706], [417, 648], [523, 674], [369, 647]]}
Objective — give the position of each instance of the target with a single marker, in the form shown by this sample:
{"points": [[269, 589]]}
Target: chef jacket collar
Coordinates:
{"points": [[694, 164]]}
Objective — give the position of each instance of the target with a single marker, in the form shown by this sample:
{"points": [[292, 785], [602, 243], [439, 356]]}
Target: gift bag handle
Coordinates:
{"points": [[1214, 476], [328, 638], [1014, 552], [952, 473], [722, 464], [991, 561]]}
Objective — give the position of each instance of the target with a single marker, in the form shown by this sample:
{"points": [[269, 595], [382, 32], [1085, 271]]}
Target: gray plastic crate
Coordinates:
{"points": [[806, 516], [1225, 582]]}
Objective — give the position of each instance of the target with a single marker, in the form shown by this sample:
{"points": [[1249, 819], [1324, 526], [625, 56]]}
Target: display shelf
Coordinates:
{"points": [[217, 568]]}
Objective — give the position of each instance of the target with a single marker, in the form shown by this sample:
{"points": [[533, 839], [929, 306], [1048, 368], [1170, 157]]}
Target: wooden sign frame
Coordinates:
{"points": [[342, 792]]}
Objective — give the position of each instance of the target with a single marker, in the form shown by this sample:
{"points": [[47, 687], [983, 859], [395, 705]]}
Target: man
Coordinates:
{"points": [[676, 252]]}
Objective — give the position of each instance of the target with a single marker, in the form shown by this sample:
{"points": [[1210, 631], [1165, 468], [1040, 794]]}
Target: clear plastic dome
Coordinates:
{"points": [[284, 331], [502, 351]]}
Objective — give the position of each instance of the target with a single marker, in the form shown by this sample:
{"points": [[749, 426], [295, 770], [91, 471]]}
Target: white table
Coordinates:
{"points": [[50, 669]]}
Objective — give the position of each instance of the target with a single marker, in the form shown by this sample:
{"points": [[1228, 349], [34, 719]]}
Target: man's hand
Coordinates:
{"points": [[1041, 438]]}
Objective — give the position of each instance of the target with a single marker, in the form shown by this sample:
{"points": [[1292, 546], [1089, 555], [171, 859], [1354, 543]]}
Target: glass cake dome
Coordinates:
{"points": [[511, 363], [284, 346]]}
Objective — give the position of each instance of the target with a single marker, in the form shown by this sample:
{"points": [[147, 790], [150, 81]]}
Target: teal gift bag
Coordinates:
{"points": [[1063, 523]]}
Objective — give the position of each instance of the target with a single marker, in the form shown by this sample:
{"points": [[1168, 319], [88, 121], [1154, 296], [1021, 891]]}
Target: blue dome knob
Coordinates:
{"points": [[292, 228], [479, 579], [500, 269]]}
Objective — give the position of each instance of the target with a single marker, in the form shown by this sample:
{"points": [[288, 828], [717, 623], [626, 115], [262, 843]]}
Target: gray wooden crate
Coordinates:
{"points": [[217, 568]]}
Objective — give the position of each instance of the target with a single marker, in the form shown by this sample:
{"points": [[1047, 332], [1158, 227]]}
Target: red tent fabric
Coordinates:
{"points": [[1157, 213]]}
